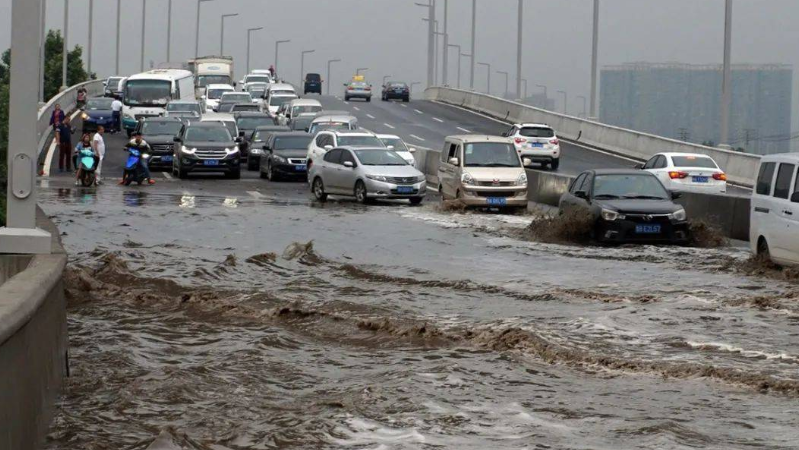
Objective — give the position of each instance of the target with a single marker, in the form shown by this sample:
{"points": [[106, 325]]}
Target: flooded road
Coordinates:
{"points": [[250, 322]]}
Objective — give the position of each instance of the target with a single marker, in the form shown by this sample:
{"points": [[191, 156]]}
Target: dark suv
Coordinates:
{"points": [[397, 90], [160, 133], [206, 147], [313, 83]]}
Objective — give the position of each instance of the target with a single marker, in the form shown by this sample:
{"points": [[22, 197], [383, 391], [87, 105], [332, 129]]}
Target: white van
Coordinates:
{"points": [[774, 223], [146, 94]]}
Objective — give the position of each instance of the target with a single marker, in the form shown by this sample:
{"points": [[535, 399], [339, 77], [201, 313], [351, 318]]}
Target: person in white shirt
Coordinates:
{"points": [[116, 114], [98, 145]]}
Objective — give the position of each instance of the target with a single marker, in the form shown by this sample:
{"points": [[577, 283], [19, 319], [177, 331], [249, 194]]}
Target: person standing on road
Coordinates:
{"points": [[143, 147], [63, 137], [57, 115], [98, 144], [116, 115]]}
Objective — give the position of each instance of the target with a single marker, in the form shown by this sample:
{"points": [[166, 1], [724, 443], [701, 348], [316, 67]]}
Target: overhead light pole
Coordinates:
{"points": [[65, 48], [445, 59], [169, 32], [119, 31], [249, 40], [42, 41], [565, 102], [362, 69], [506, 81], [143, 29], [386, 77], [222, 33], [431, 45], [277, 53], [458, 84], [488, 81], [726, 84], [197, 29], [519, 41], [329, 63], [302, 64], [585, 111], [89, 44], [524, 82], [474, 32], [594, 59]]}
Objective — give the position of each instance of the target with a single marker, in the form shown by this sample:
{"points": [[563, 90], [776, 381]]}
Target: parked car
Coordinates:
{"points": [[97, 112], [256, 141], [627, 205], [396, 143], [337, 122], [774, 217], [206, 147], [296, 107], [160, 133], [284, 156], [213, 93], [246, 123], [184, 108], [327, 140], [113, 87], [396, 90], [313, 83], [358, 89], [536, 142], [482, 171], [687, 172], [366, 174]]}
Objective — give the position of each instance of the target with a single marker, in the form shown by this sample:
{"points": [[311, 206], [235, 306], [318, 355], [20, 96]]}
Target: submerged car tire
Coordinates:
{"points": [[406, 99], [251, 165], [368, 99], [555, 164], [361, 194], [416, 200], [87, 180], [234, 174], [763, 250], [318, 190]]}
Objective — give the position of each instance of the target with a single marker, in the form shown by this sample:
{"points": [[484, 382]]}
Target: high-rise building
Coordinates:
{"points": [[683, 101]]}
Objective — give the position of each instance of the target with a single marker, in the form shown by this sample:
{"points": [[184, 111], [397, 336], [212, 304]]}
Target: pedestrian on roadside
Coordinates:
{"points": [[63, 136], [98, 144], [57, 115], [81, 98], [116, 115]]}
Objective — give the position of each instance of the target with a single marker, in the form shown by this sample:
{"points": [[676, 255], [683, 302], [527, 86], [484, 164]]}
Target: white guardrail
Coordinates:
{"points": [[741, 168], [68, 99]]}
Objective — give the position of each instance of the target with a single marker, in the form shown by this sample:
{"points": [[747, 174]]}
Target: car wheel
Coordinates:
{"points": [[251, 164], [406, 99], [270, 173], [182, 174], [763, 251], [361, 194], [235, 174], [368, 99], [416, 200], [346, 99], [319, 190], [555, 164]]}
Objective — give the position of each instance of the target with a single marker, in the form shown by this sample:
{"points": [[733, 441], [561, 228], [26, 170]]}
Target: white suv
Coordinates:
{"points": [[327, 140], [774, 217], [536, 142], [687, 172]]}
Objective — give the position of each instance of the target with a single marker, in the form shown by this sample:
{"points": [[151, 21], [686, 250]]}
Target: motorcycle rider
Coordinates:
{"points": [[84, 144], [143, 147]]}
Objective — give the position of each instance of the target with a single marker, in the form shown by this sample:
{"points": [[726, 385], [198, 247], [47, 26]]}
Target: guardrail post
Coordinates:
{"points": [[21, 234]]}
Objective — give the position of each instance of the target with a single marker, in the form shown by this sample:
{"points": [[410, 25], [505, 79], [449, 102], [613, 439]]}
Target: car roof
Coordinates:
{"points": [[204, 123], [229, 94], [280, 86], [532, 125], [291, 133], [350, 132], [326, 118], [781, 157], [356, 148], [272, 128], [183, 102], [388, 136], [305, 102], [238, 114], [472, 138], [698, 155], [217, 117], [162, 119], [220, 86], [619, 172]]}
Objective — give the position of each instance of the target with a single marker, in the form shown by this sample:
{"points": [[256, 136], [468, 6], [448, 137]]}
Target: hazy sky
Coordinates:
{"points": [[389, 37]]}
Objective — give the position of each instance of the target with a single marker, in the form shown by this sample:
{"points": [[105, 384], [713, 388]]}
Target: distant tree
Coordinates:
{"points": [[54, 62], [709, 143]]}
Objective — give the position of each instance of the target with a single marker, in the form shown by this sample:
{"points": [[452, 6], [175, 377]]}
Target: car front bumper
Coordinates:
{"points": [[191, 163], [92, 124], [160, 161], [381, 189], [290, 170], [495, 197], [624, 231]]}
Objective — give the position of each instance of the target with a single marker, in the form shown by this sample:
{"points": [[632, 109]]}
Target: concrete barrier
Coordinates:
{"points": [[33, 344], [741, 168]]}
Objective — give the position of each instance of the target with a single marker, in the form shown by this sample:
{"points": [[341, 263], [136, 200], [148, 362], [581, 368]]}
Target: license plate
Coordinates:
{"points": [[405, 190], [166, 158], [211, 163], [537, 145], [301, 168], [647, 229], [700, 179], [497, 201]]}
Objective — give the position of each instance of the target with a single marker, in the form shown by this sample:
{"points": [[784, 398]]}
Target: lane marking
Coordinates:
{"points": [[416, 137], [419, 112], [356, 108], [403, 105], [464, 130], [167, 175], [389, 126], [48, 160], [370, 116], [256, 194], [438, 120]]}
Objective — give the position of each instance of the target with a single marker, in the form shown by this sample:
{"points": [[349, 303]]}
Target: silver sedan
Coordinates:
{"points": [[366, 174]]}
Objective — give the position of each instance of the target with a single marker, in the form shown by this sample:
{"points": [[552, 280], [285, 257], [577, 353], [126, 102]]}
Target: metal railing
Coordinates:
{"points": [[68, 99]]}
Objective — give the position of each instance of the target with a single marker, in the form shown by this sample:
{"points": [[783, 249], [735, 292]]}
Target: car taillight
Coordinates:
{"points": [[720, 176], [519, 140], [677, 175], [554, 141], [368, 89]]}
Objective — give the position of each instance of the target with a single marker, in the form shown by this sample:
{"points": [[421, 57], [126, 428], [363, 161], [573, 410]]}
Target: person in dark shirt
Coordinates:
{"points": [[57, 115], [63, 133]]}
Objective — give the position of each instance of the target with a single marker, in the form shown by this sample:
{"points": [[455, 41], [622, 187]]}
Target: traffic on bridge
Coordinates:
{"points": [[347, 259]]}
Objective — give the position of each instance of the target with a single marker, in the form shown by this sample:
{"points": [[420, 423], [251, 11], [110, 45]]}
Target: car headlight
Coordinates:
{"points": [[610, 215], [522, 180], [467, 178], [377, 177], [278, 158], [187, 150], [679, 215], [84, 116], [129, 116], [256, 151], [233, 150], [421, 179]]}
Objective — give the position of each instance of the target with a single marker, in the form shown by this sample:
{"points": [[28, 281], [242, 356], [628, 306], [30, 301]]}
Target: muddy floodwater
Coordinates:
{"points": [[240, 323]]}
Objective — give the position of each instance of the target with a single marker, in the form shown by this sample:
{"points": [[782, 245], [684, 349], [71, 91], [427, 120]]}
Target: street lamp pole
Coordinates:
{"points": [[726, 85], [65, 49], [458, 84], [585, 111], [431, 45], [143, 29], [362, 69], [42, 40], [524, 81], [119, 30], [302, 64], [386, 77], [445, 59], [329, 62], [488, 81], [249, 39], [474, 32], [222, 33], [565, 101], [594, 59], [197, 29], [506, 81], [277, 53], [519, 49], [89, 45], [169, 32]]}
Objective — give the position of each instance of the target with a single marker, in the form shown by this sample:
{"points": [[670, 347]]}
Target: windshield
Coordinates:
{"points": [[205, 80], [252, 107], [301, 123], [360, 141], [313, 78], [216, 94], [305, 109], [251, 123], [380, 158], [208, 134], [183, 107], [335, 126], [237, 97], [279, 101], [148, 92], [113, 83], [490, 154], [694, 161], [257, 79], [260, 136], [629, 186], [94, 104], [359, 85], [292, 142], [397, 143], [160, 128], [537, 132], [257, 92], [397, 85]]}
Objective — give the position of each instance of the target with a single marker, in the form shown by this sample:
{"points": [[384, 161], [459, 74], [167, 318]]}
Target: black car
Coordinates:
{"points": [[247, 122], [256, 141], [160, 133], [285, 156], [396, 90], [627, 206], [206, 147], [313, 83], [98, 112]]}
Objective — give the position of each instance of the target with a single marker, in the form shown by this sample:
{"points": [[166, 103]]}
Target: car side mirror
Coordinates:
{"points": [[639, 166], [241, 134], [412, 150], [675, 195], [454, 161], [527, 161], [581, 194], [176, 139], [349, 164], [795, 197], [328, 147], [238, 140]]}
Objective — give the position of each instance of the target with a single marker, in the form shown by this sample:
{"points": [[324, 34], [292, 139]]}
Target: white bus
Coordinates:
{"points": [[146, 94]]}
